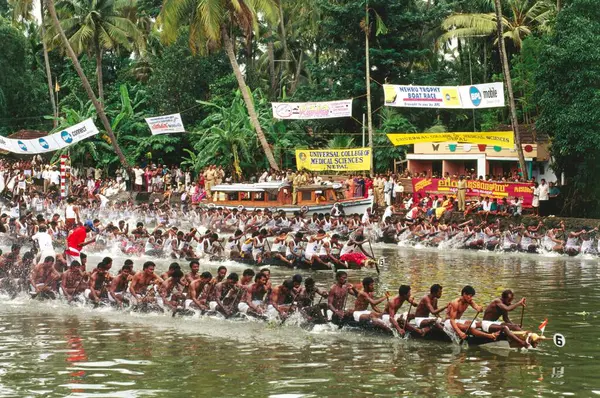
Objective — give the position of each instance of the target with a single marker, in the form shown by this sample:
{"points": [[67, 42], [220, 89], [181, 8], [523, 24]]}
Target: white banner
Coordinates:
{"points": [[52, 142], [165, 124], [312, 110], [489, 95]]}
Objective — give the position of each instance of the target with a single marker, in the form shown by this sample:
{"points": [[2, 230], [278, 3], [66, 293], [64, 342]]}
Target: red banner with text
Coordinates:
{"points": [[475, 189]]}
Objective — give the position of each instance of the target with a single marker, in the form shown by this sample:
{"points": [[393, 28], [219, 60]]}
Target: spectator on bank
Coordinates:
{"points": [[544, 198], [553, 198]]}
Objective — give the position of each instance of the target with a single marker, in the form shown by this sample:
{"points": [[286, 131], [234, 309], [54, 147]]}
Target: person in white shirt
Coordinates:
{"points": [[44, 244], [388, 191], [544, 198], [55, 177], [46, 178], [139, 174]]}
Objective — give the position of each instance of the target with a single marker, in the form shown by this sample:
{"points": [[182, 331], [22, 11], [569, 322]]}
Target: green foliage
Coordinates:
{"points": [[567, 83]]}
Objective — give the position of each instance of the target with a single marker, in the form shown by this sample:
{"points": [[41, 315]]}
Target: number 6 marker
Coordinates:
{"points": [[559, 340]]}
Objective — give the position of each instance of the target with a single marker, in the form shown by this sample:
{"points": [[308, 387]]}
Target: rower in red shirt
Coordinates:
{"points": [[76, 241]]}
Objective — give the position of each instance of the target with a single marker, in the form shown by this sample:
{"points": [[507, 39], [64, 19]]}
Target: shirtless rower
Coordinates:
{"points": [[169, 273], [455, 311], [392, 308], [198, 291], [171, 291], [72, 283], [118, 286], [193, 274], [142, 280], [98, 281], [222, 295], [363, 300], [500, 308], [252, 303], [279, 303], [338, 294], [306, 302], [429, 306], [43, 279]]}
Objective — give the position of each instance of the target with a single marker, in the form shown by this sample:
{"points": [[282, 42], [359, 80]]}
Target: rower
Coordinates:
{"points": [[500, 308], [193, 274], [97, 286], [222, 297], [221, 273], [252, 302], [258, 246], [169, 273], [306, 302], [246, 249], [141, 284], [43, 279], [457, 308], [363, 300], [278, 251], [278, 298], [171, 291], [118, 286], [390, 317], [233, 244], [72, 282], [338, 294], [198, 291], [312, 249], [429, 306], [293, 250]]}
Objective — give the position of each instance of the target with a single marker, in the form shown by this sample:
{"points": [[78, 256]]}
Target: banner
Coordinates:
{"points": [[334, 159], [52, 142], [166, 124], [475, 189], [421, 96], [504, 139], [312, 110], [490, 95]]}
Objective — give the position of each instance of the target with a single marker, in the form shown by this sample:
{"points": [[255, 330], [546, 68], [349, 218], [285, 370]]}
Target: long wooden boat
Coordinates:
{"points": [[310, 199]]}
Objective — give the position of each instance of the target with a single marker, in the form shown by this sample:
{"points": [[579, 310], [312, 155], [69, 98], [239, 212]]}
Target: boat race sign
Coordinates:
{"points": [[166, 124], [459, 97], [52, 142], [503, 139], [334, 159], [312, 110], [475, 189]]}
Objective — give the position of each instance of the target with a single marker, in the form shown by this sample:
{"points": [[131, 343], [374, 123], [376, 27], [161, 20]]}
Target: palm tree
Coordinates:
{"points": [[525, 17], [210, 24], [86, 84], [22, 10], [95, 26]]}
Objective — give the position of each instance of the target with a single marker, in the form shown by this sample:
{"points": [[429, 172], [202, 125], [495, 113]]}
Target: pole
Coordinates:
{"points": [[368, 79], [364, 124]]}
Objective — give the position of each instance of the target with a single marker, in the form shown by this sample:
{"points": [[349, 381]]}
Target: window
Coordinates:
{"points": [[245, 196], [259, 196], [306, 196], [271, 197], [232, 196]]}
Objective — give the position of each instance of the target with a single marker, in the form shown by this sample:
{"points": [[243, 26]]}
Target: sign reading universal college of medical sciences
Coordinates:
{"points": [[334, 159], [312, 110], [505, 139], [52, 142], [165, 124], [489, 95]]}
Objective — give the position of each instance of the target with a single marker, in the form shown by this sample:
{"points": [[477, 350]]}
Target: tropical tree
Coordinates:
{"points": [[211, 23], [525, 16], [86, 84], [341, 141], [22, 11], [97, 26], [225, 138]]}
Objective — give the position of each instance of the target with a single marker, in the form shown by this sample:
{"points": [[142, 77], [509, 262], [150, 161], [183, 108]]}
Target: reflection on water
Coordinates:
{"points": [[51, 349]]}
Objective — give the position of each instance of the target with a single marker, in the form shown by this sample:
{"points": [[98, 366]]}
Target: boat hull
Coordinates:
{"points": [[351, 206]]}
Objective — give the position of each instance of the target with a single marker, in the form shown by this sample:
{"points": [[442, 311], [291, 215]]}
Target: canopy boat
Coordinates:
{"points": [[278, 196]]}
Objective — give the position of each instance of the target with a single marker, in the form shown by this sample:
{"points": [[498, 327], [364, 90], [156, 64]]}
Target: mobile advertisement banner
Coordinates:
{"points": [[475, 189], [334, 159], [505, 139], [479, 96], [52, 142], [312, 110], [489, 95], [166, 124]]}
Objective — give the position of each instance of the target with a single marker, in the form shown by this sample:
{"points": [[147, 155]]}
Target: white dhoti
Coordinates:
{"points": [[485, 325]]}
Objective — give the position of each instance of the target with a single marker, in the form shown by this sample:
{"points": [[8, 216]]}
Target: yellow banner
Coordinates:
{"points": [[504, 139], [333, 159]]}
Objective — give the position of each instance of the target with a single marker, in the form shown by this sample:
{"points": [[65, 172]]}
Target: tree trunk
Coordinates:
{"points": [[48, 71], [297, 74], [247, 98], [99, 74], [509, 89], [86, 85], [271, 55], [368, 81]]}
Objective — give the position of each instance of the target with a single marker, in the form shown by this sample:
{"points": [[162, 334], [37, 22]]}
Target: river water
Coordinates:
{"points": [[52, 349]]}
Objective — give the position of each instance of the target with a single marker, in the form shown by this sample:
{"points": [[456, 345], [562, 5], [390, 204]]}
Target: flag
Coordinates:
{"points": [[542, 326]]}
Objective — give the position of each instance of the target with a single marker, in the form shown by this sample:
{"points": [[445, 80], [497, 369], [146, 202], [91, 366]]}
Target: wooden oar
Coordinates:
{"points": [[407, 318], [470, 326], [522, 314], [373, 256]]}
